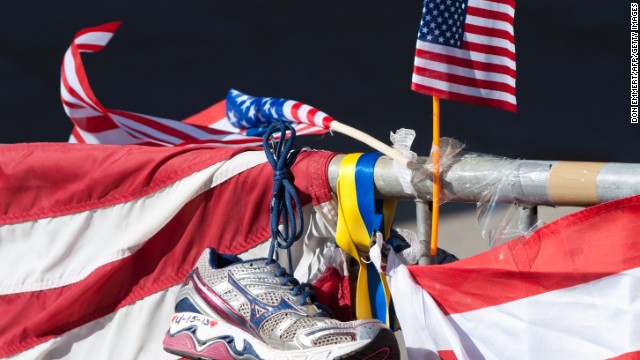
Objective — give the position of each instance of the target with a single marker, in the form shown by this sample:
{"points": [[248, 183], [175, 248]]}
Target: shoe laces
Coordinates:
{"points": [[284, 200]]}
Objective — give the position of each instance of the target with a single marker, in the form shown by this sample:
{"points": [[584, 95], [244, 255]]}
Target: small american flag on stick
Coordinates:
{"points": [[466, 52], [239, 121]]}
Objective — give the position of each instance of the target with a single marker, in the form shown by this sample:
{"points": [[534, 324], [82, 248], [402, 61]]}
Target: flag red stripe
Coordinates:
{"points": [[326, 122], [485, 31], [310, 115], [40, 191], [294, 110], [489, 14], [89, 47], [447, 355], [552, 258], [634, 355], [498, 104], [95, 124], [76, 134], [466, 63], [466, 81], [488, 49]]}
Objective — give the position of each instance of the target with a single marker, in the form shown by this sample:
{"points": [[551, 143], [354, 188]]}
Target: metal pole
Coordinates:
{"points": [[529, 182], [423, 225]]}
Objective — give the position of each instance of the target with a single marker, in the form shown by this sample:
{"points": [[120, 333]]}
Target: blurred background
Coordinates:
{"points": [[351, 59]]}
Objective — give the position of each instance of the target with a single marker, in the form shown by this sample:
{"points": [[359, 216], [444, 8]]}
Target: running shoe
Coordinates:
{"points": [[232, 309]]}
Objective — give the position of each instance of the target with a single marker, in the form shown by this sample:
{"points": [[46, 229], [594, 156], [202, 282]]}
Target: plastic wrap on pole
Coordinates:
{"points": [[402, 140]]}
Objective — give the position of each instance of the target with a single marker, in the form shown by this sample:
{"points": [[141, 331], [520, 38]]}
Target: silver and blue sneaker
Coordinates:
{"points": [[233, 309]]}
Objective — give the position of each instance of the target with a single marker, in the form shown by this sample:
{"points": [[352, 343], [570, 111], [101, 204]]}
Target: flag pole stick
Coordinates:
{"points": [[435, 156], [371, 141]]}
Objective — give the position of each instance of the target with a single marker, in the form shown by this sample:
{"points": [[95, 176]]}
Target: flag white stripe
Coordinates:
{"points": [[100, 38], [225, 125], [318, 117], [302, 113], [465, 54], [57, 266], [494, 6], [80, 112], [465, 90], [114, 137], [70, 72], [457, 70], [594, 320], [490, 40], [286, 109], [492, 24], [133, 332]]}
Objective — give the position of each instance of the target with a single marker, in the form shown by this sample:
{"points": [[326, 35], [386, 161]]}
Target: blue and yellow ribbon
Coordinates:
{"points": [[360, 216]]}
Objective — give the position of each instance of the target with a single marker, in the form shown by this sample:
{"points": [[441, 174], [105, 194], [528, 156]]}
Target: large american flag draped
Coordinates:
{"points": [[465, 52], [96, 239], [96, 124], [570, 290]]}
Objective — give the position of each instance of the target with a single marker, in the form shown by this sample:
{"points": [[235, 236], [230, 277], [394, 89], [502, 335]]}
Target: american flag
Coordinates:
{"points": [[569, 290], [466, 52], [95, 240], [256, 113], [96, 124]]}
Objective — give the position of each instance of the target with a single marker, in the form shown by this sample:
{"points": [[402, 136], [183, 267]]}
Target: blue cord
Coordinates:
{"points": [[284, 198], [284, 195]]}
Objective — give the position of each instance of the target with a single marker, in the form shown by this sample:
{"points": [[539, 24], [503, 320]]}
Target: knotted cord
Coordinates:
{"points": [[285, 203]]}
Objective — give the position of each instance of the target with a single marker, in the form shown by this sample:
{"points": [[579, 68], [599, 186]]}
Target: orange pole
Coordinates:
{"points": [[435, 156]]}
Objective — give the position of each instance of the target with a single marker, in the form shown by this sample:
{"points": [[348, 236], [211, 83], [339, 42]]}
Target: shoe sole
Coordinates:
{"points": [[383, 346]]}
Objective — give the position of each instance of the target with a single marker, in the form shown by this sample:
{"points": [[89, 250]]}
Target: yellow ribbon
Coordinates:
{"points": [[353, 236]]}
